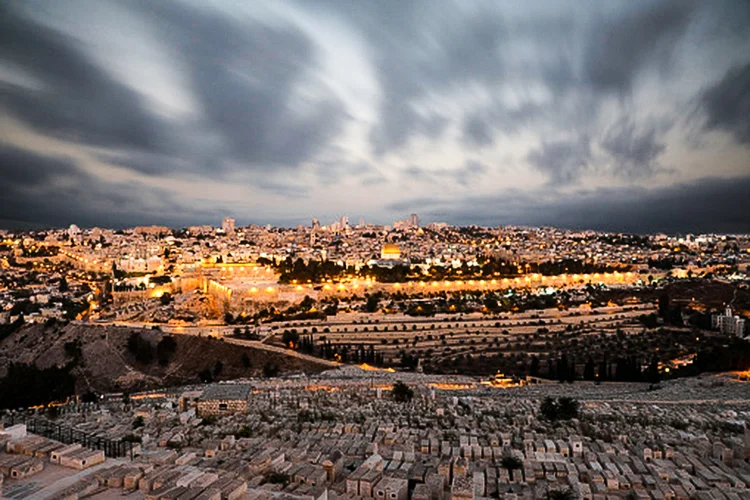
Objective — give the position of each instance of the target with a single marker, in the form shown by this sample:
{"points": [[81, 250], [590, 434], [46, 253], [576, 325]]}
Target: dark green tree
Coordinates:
{"points": [[290, 338], [588, 370], [166, 349], [549, 408], [245, 359], [534, 368], [559, 494], [402, 392], [511, 463], [567, 408], [653, 371]]}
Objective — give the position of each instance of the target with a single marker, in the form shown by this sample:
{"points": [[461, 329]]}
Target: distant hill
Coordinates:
{"points": [[111, 359]]}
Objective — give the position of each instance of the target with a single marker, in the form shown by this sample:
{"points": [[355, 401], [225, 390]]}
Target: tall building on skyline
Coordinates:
{"points": [[414, 218], [228, 225]]}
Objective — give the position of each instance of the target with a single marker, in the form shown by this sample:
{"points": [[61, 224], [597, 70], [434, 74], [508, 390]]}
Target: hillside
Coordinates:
{"points": [[104, 362]]}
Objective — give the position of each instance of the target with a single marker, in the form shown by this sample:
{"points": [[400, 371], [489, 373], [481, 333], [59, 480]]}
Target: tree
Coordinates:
{"points": [[63, 285], [511, 463], [26, 385], [372, 303], [653, 371], [562, 368], [402, 392], [549, 408], [557, 494], [138, 422], [571, 371], [664, 305], [165, 298], [270, 370], [564, 408], [568, 408], [140, 348], [307, 303], [290, 338], [206, 376], [245, 360], [588, 370], [244, 432], [165, 349], [277, 478], [534, 368]]}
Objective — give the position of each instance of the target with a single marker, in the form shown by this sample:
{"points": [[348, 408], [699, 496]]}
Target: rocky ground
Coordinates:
{"points": [[103, 362]]}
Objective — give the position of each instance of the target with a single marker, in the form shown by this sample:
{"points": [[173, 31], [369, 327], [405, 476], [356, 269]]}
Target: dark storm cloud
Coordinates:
{"points": [[463, 49], [705, 205], [620, 48], [51, 191], [727, 104], [593, 86], [148, 163], [635, 150], [403, 121], [471, 171], [480, 128], [420, 47], [337, 168], [21, 169], [631, 151], [78, 101], [562, 161], [284, 189], [477, 131], [244, 76]]}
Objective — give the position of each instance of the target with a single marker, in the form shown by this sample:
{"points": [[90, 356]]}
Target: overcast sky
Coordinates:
{"points": [[631, 115]]}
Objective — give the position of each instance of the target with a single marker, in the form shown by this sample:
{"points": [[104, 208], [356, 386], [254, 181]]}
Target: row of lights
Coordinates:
{"points": [[459, 283], [433, 284]]}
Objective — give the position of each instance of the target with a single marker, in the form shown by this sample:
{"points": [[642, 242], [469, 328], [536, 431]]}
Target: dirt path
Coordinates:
{"points": [[286, 352]]}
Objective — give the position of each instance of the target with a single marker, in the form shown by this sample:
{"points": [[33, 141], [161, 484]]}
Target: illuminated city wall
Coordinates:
{"points": [[529, 281], [242, 296], [222, 293], [120, 298]]}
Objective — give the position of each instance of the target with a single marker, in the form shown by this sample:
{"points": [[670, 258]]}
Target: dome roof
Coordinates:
{"points": [[391, 248]]}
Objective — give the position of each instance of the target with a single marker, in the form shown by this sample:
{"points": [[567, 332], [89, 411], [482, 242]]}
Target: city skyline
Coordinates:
{"points": [[620, 116]]}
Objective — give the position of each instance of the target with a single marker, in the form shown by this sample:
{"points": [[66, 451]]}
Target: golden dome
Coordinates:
{"points": [[391, 249]]}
